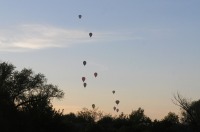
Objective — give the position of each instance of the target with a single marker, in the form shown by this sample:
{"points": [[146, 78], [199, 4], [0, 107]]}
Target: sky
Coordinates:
{"points": [[145, 50]]}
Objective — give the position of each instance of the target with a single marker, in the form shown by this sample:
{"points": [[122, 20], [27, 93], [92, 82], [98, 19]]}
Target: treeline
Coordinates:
{"points": [[25, 105], [94, 121]]}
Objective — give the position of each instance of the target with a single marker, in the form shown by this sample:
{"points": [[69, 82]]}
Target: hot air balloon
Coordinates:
{"points": [[113, 91], [117, 102], [117, 110], [83, 79], [114, 108], [79, 16], [93, 106], [90, 34], [95, 74], [84, 84], [84, 63]]}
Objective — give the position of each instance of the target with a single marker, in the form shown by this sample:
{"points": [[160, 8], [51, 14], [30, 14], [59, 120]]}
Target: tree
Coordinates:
{"points": [[171, 118], [138, 117], [106, 122], [170, 123], [193, 110], [90, 116], [26, 94], [23, 89], [121, 122], [190, 111], [139, 120]]}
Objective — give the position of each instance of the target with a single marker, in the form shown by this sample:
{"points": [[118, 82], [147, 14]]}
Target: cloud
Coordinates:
{"points": [[32, 37]]}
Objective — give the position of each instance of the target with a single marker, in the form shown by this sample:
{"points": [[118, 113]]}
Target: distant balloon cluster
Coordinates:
{"points": [[90, 34], [84, 78], [117, 102], [85, 84], [95, 75], [84, 63]]}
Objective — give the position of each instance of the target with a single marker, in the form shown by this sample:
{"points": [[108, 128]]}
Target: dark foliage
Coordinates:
{"points": [[190, 112], [25, 101]]}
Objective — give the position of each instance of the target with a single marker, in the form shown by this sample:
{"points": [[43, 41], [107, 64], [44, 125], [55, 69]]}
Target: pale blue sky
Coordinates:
{"points": [[146, 50]]}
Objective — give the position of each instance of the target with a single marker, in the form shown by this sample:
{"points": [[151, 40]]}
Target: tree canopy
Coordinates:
{"points": [[190, 111], [24, 94]]}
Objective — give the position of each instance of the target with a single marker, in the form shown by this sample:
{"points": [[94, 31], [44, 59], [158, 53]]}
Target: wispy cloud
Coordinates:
{"points": [[30, 37], [33, 37]]}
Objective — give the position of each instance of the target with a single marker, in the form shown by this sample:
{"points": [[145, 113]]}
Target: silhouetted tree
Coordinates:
{"points": [[71, 122], [90, 116], [106, 123], [171, 118], [25, 98], [190, 111], [170, 123], [121, 121], [139, 121]]}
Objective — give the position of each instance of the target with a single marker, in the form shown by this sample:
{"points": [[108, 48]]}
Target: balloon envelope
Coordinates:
{"points": [[114, 108], [95, 74], [83, 79], [84, 63], [117, 102], [113, 91], [79, 16], [117, 110], [84, 84], [93, 106], [90, 34]]}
